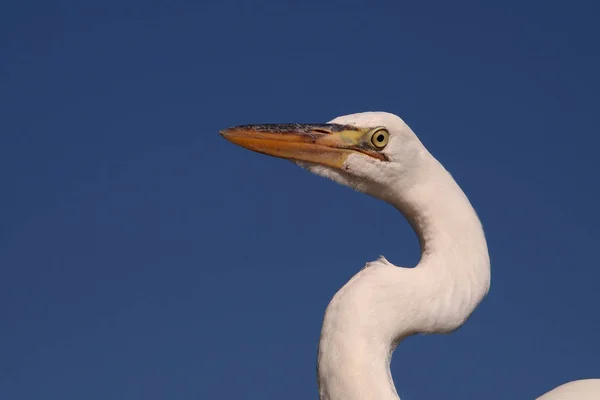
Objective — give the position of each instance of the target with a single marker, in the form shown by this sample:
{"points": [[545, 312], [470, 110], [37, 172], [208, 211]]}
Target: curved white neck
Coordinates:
{"points": [[383, 304]]}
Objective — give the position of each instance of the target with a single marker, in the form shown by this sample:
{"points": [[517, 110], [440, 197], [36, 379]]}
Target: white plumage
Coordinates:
{"points": [[383, 303]]}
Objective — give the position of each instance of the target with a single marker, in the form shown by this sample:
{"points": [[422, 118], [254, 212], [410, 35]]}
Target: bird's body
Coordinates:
{"points": [[379, 155], [584, 389]]}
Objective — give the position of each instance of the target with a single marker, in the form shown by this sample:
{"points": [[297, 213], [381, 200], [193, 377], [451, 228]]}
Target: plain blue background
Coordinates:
{"points": [[144, 257]]}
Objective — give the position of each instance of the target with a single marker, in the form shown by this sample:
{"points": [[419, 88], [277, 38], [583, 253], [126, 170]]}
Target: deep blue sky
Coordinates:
{"points": [[144, 257]]}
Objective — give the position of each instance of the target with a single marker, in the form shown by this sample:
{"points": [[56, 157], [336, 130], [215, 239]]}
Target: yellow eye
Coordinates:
{"points": [[380, 138]]}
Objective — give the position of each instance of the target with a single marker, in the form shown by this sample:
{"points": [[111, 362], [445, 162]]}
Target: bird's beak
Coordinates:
{"points": [[324, 144]]}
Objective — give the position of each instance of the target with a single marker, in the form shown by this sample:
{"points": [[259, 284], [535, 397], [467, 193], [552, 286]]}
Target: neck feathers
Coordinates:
{"points": [[383, 303]]}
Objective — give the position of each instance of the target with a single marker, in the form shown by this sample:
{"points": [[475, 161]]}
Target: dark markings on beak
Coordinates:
{"points": [[298, 128]]}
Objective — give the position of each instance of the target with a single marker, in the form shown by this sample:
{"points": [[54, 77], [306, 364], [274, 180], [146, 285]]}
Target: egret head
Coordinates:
{"points": [[369, 152]]}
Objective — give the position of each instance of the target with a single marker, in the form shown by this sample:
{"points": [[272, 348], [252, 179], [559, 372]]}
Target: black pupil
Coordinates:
{"points": [[380, 138]]}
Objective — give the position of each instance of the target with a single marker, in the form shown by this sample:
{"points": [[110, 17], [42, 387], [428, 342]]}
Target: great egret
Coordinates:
{"points": [[378, 154]]}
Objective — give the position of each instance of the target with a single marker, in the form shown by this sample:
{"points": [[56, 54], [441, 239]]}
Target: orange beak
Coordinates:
{"points": [[324, 144]]}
